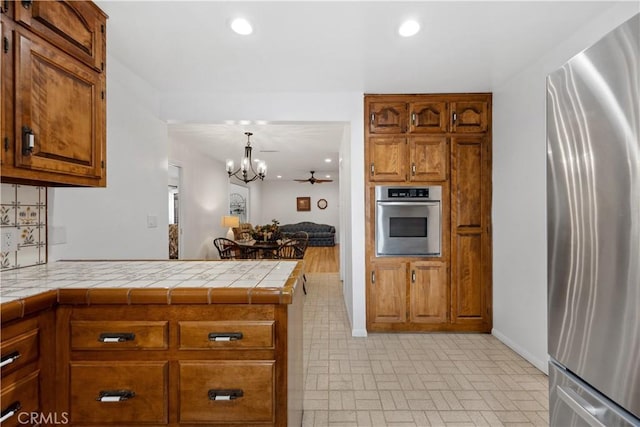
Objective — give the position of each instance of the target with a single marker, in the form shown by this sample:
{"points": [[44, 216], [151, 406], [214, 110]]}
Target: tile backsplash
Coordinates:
{"points": [[23, 208]]}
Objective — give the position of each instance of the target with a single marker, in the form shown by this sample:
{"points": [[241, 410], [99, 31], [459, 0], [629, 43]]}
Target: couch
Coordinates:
{"points": [[319, 234]]}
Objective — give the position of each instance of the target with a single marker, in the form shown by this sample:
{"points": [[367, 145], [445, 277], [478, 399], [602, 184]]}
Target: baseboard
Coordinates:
{"points": [[360, 333], [542, 365]]}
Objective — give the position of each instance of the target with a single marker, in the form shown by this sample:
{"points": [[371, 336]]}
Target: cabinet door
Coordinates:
{"points": [[387, 117], [428, 292], [469, 117], [6, 98], [60, 102], [387, 158], [388, 292], [77, 27], [470, 234], [428, 117], [429, 158]]}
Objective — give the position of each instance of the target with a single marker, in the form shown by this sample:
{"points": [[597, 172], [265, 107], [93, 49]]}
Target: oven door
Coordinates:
{"points": [[408, 228]]}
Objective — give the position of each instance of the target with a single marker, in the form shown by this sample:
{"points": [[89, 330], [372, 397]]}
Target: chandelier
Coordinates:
{"points": [[246, 166]]}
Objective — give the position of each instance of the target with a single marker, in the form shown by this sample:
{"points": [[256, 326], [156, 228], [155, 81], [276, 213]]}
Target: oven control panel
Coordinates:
{"points": [[416, 193]]}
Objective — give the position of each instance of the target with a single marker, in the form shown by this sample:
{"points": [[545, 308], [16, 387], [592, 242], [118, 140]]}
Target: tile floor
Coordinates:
{"points": [[410, 379]]}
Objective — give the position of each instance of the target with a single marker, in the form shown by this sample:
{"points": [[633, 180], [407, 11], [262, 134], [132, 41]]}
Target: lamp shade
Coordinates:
{"points": [[230, 221]]}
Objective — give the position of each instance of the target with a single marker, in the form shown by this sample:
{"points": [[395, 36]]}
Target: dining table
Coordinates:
{"points": [[260, 248]]}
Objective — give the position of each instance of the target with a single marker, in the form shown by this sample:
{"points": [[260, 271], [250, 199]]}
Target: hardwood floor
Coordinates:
{"points": [[322, 259]]}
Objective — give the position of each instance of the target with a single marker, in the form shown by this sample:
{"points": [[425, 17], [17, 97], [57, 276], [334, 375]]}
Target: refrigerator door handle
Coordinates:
{"points": [[584, 409]]}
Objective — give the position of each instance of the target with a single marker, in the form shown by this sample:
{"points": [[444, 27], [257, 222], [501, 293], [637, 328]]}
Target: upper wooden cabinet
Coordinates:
{"points": [[396, 114], [428, 117], [54, 97], [396, 158], [387, 117], [77, 27], [469, 117]]}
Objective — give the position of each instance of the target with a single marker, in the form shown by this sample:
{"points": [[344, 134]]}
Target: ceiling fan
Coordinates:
{"points": [[313, 179]]}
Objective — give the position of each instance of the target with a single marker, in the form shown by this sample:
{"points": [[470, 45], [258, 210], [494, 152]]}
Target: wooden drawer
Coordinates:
{"points": [[226, 335], [19, 351], [119, 335], [18, 398], [147, 381], [200, 379]]}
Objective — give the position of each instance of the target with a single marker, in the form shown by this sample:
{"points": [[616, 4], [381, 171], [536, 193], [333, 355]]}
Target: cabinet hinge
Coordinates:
{"points": [[6, 143], [5, 44], [102, 164], [102, 28], [102, 66], [102, 94]]}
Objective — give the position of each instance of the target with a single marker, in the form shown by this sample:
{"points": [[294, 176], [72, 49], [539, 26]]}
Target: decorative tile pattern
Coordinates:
{"points": [[410, 379], [24, 207], [136, 274]]}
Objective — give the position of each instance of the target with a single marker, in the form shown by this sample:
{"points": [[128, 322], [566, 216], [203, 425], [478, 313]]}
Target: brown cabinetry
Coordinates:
{"points": [[27, 350], [165, 365], [404, 294], [53, 87], [439, 139]]}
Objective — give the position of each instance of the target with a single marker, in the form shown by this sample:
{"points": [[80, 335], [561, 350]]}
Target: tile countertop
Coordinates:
{"points": [[147, 282]]}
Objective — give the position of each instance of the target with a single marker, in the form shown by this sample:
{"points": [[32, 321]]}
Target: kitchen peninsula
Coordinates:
{"points": [[154, 342]]}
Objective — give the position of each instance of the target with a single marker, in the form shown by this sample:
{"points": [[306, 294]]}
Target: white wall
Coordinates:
{"points": [[204, 200], [111, 222], [284, 194], [519, 193]]}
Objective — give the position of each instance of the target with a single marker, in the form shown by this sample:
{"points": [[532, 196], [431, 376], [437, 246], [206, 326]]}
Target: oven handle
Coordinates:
{"points": [[431, 203]]}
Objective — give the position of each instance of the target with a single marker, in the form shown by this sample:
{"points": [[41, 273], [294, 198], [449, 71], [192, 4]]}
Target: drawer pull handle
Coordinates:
{"points": [[10, 411], [225, 336], [117, 337], [9, 358], [225, 394], [115, 395]]}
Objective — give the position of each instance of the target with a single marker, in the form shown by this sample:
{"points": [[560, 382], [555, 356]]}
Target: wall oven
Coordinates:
{"points": [[408, 221]]}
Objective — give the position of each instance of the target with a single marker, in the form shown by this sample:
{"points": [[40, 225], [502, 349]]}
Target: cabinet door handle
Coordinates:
{"points": [[373, 277], [372, 169], [413, 276], [455, 117], [28, 141], [9, 358], [225, 394], [117, 336], [413, 119], [115, 395], [373, 117], [10, 411], [225, 336], [413, 169]]}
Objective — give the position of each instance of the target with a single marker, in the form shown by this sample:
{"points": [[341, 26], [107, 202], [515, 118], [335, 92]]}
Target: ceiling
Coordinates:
{"points": [[327, 46]]}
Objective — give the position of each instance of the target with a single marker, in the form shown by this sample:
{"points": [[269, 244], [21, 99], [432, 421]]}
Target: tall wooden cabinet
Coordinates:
{"points": [[53, 93], [421, 140]]}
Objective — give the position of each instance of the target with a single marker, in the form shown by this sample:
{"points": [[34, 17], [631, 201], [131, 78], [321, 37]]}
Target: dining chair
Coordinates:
{"points": [[294, 247], [228, 249]]}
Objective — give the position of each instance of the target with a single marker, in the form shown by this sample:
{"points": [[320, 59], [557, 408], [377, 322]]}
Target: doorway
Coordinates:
{"points": [[175, 174]]}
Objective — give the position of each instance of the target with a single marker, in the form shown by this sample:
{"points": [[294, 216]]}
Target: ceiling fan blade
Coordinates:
{"points": [[301, 180]]}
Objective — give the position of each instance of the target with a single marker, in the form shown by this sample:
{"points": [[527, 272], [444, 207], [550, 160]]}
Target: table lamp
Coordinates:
{"points": [[230, 221]]}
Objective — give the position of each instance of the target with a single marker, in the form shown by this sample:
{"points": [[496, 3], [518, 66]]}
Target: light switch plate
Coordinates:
{"points": [[9, 240]]}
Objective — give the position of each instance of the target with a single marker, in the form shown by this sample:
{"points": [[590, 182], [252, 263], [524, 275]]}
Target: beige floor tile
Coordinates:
{"points": [[421, 380]]}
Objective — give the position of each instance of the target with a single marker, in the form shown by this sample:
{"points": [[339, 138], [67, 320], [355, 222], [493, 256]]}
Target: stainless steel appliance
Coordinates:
{"points": [[593, 214], [408, 221]]}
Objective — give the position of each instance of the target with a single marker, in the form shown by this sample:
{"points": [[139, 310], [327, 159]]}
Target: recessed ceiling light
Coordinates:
{"points": [[279, 176], [241, 26], [327, 160], [327, 176], [409, 28]]}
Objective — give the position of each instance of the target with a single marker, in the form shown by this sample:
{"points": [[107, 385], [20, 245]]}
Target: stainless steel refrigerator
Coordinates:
{"points": [[593, 225]]}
